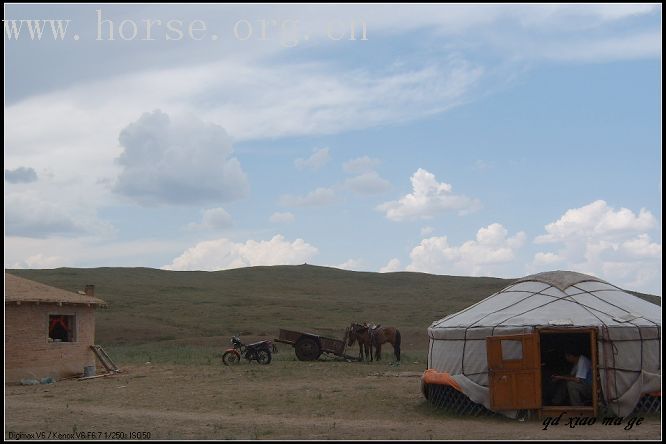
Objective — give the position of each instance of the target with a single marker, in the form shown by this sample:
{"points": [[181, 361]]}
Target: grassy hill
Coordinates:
{"points": [[149, 306]]}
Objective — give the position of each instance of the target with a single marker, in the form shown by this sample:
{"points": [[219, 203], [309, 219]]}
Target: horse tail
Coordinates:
{"points": [[397, 344]]}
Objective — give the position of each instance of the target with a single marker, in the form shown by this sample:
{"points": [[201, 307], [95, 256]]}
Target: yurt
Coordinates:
{"points": [[500, 354]]}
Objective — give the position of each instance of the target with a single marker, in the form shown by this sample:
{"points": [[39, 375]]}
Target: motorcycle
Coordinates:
{"points": [[258, 351]]}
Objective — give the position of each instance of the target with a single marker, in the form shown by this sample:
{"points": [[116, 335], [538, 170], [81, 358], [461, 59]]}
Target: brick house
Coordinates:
{"points": [[48, 331]]}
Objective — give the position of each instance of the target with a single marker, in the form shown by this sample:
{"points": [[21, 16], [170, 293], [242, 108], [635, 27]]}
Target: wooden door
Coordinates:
{"points": [[514, 371]]}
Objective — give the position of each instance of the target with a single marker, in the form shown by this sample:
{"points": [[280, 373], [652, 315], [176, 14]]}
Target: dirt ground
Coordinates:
{"points": [[284, 400]]}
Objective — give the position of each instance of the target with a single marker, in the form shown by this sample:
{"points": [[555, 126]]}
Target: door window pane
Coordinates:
{"points": [[512, 350]]}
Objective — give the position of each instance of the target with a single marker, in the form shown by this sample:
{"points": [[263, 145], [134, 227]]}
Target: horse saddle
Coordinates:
{"points": [[372, 326]]}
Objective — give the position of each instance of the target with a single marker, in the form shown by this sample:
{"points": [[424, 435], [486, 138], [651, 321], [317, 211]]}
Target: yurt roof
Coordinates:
{"points": [[560, 279], [557, 298]]}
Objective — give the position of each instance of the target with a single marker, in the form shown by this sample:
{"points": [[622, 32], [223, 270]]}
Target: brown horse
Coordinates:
{"points": [[360, 333], [382, 335]]}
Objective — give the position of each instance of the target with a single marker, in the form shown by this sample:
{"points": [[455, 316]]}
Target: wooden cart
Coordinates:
{"points": [[310, 346]]}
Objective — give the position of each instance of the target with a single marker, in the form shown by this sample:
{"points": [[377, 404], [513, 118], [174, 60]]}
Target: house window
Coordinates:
{"points": [[62, 328]]}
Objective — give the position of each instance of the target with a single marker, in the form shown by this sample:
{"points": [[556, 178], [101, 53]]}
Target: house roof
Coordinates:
{"points": [[18, 289]]}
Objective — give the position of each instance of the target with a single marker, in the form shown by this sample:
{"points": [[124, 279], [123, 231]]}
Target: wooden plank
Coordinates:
{"points": [[108, 358], [95, 349], [332, 345], [291, 335], [84, 378], [104, 358]]}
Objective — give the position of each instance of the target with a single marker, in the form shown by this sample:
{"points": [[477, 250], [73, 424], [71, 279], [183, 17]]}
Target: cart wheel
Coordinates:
{"points": [[307, 349]]}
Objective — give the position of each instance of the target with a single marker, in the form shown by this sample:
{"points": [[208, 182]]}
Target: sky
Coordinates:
{"points": [[477, 140]]}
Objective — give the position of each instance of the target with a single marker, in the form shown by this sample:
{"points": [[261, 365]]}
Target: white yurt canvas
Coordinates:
{"points": [[628, 334]]}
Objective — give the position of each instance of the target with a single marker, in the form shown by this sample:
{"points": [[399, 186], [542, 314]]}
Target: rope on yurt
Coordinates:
{"points": [[554, 299], [462, 362], [448, 318], [511, 305]]}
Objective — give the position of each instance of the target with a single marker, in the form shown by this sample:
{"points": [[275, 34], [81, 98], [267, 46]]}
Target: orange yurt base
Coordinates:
{"points": [[432, 376]]}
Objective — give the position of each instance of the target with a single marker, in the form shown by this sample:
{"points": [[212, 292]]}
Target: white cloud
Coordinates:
{"points": [[631, 275], [606, 48], [427, 230], [282, 218], [597, 219], [178, 161], [427, 199], [317, 197], [351, 264], [365, 180], [612, 244], [221, 254], [33, 217], [573, 32], [30, 214], [482, 256], [89, 251], [483, 165], [40, 260], [213, 219], [368, 183], [641, 248], [169, 159], [503, 29], [547, 18], [392, 266], [546, 259], [318, 159], [360, 165], [252, 99]]}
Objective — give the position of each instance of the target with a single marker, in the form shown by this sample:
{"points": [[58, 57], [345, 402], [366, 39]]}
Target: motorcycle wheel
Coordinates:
{"points": [[264, 357], [230, 358]]}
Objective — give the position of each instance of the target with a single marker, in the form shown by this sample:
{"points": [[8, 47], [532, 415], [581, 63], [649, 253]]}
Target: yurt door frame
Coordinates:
{"points": [[585, 410]]}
